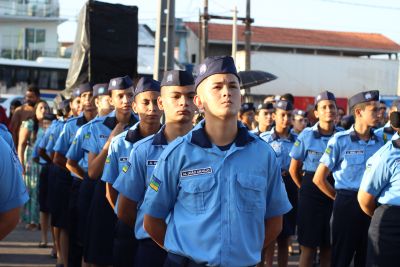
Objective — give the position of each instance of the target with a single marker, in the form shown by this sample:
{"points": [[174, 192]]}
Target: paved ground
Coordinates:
{"points": [[20, 249]]}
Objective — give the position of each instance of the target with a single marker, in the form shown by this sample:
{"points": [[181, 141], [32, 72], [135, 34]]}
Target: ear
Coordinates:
{"points": [[134, 105], [198, 102], [316, 114], [273, 116], [160, 103]]}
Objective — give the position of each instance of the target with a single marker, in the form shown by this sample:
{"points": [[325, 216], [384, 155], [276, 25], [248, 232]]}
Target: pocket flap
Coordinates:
{"points": [[197, 185], [257, 183]]}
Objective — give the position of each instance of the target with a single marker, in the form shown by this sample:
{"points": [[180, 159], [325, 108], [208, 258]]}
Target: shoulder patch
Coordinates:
{"points": [[126, 167], [297, 143], [328, 150], [155, 183]]}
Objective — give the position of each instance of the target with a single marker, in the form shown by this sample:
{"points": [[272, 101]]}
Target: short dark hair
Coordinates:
{"points": [[34, 89], [289, 97]]}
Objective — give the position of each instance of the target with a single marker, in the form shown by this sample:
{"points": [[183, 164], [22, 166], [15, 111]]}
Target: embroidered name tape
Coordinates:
{"points": [[123, 159], [196, 172], [354, 152], [151, 162]]}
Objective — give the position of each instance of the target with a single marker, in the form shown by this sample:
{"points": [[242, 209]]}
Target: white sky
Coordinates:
{"points": [[378, 16]]}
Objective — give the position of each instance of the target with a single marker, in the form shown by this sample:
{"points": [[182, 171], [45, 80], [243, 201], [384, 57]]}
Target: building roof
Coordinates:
{"points": [[301, 38]]}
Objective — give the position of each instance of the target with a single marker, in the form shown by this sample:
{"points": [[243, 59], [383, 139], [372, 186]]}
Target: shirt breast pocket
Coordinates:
{"points": [[250, 192], [354, 163], [198, 194]]}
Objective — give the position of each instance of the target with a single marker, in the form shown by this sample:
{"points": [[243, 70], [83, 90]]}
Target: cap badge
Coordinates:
{"points": [[203, 69]]}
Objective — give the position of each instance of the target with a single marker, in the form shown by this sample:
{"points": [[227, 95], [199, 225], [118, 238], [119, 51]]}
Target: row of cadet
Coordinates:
{"points": [[124, 190]]}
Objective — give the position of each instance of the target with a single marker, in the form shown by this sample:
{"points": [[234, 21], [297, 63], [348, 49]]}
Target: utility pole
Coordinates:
{"points": [[204, 32], [164, 43], [247, 34], [234, 33]]}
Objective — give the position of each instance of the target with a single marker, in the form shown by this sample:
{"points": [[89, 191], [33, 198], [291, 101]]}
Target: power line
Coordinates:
{"points": [[361, 5]]}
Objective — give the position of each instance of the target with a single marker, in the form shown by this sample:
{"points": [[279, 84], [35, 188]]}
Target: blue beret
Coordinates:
{"points": [[120, 83], [177, 78], [285, 105], [100, 89], [146, 84], [299, 112], [63, 104], [326, 95], [268, 105], [363, 97], [215, 65], [247, 107]]}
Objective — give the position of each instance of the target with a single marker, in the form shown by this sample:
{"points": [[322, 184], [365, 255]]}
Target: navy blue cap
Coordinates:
{"points": [[215, 65], [146, 84], [100, 89], [285, 105], [120, 83], [268, 105], [326, 95], [63, 104], [177, 78], [247, 107], [363, 97], [299, 112], [49, 117]]}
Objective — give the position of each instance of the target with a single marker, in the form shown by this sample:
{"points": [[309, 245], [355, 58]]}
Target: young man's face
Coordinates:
{"points": [[283, 118], [248, 117], [87, 104], [219, 96], [145, 105], [264, 117], [369, 115], [103, 102], [299, 123], [326, 111], [76, 106], [177, 103], [122, 100]]}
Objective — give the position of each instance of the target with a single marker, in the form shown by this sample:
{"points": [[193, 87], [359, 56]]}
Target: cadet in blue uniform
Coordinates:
{"points": [[101, 220], [281, 140], [379, 198], [346, 155], [145, 105], [264, 118], [314, 207], [67, 185], [299, 121], [246, 115], [77, 158], [13, 194], [176, 100], [219, 184], [386, 132]]}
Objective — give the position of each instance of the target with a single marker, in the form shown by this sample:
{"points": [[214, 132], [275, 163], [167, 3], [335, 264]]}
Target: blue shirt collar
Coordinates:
{"points": [[275, 137], [133, 135], [111, 120], [200, 138], [159, 138], [354, 137], [396, 143], [81, 120], [387, 128], [316, 132]]}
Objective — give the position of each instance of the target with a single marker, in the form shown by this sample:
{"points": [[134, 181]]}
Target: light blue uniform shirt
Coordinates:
{"points": [[217, 200], [346, 155], [281, 146], [54, 134], [385, 133], [135, 178], [309, 147], [76, 152], [46, 137], [382, 175], [13, 192], [5, 133], [35, 150], [101, 131], [118, 153]]}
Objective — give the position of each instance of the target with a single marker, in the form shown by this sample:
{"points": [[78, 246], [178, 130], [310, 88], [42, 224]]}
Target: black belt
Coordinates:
{"points": [[184, 261], [347, 192]]}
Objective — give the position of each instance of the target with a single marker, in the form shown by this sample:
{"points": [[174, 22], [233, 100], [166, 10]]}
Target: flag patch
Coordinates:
{"points": [[297, 143], [126, 167], [155, 183], [87, 136], [108, 160], [328, 150]]}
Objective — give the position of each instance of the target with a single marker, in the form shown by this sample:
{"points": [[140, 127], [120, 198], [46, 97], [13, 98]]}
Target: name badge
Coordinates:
{"points": [[123, 159], [151, 162], [354, 152], [196, 172], [103, 136]]}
